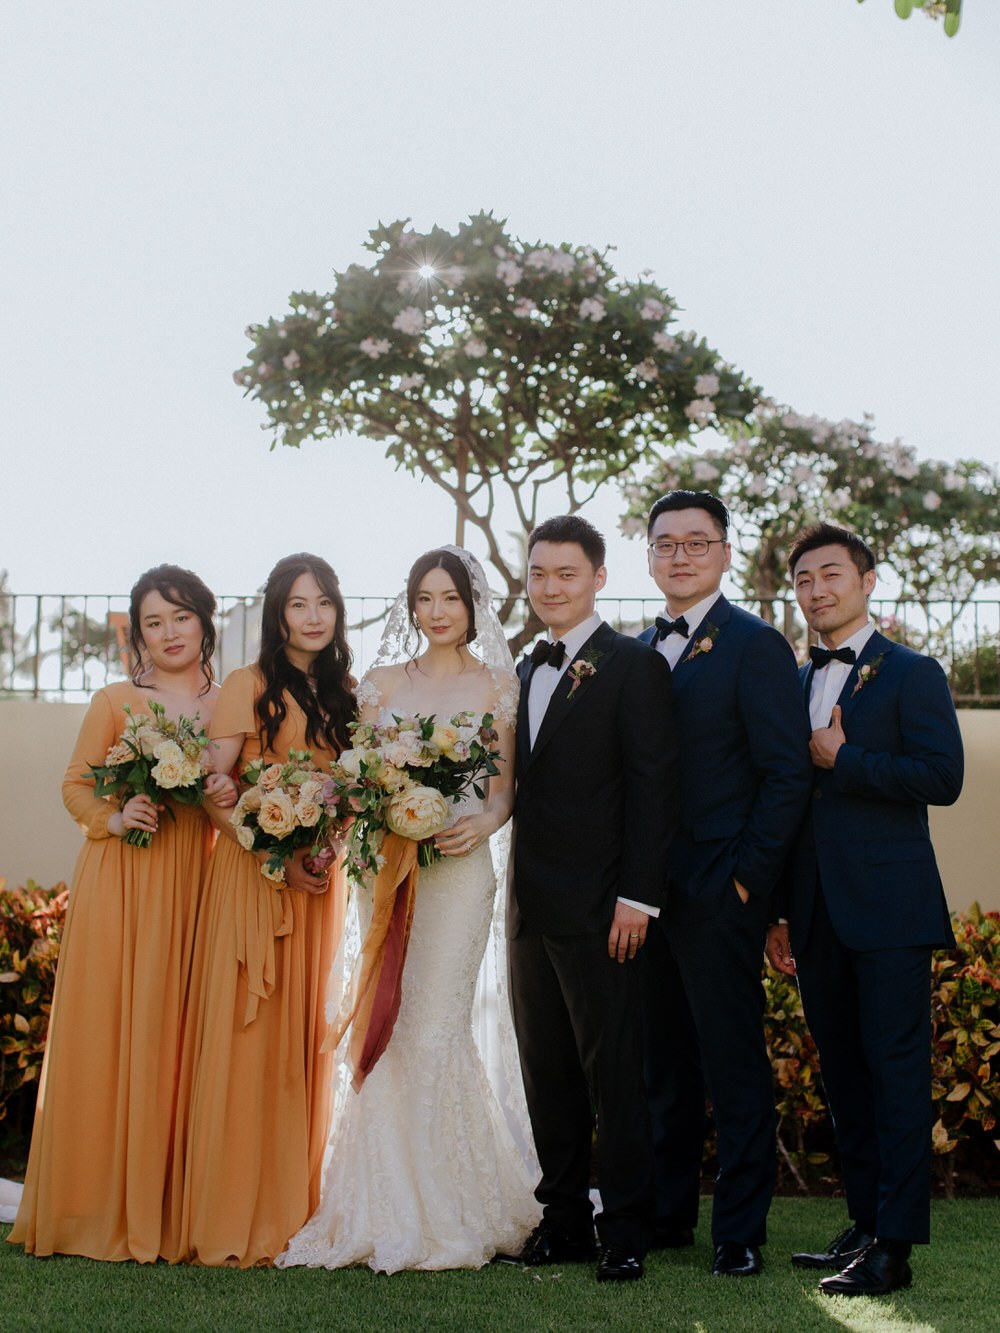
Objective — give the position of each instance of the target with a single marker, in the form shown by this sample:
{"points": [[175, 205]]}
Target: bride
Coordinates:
{"points": [[424, 1170]]}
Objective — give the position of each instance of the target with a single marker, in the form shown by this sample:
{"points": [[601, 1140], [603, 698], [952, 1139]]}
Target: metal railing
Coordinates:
{"points": [[60, 646]]}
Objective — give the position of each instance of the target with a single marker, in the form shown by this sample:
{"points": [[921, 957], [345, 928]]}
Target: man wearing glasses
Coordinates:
{"points": [[745, 778]]}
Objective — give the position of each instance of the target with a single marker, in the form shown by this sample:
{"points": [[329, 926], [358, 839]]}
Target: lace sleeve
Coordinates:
{"points": [[508, 693], [368, 693]]}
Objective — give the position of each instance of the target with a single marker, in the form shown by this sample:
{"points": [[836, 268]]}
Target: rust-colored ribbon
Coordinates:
{"points": [[371, 1002]]}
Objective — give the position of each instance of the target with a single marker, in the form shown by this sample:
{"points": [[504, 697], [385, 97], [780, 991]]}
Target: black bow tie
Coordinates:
{"points": [[665, 627], [822, 657], [552, 653]]}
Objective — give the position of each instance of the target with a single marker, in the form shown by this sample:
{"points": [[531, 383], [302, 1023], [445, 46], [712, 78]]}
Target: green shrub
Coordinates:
{"points": [[31, 921], [975, 674]]}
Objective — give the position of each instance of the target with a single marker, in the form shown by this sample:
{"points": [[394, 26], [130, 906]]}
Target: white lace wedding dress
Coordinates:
{"points": [[423, 1168]]}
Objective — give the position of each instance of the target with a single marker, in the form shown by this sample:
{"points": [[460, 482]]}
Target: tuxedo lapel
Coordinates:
{"points": [[525, 670], [564, 700], [875, 650], [689, 661]]}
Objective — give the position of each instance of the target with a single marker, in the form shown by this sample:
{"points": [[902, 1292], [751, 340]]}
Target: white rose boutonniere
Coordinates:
{"points": [[582, 669], [866, 673], [703, 644]]}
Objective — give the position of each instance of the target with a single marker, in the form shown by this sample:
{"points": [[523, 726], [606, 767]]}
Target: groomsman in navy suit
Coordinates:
{"points": [[744, 782], [863, 905]]}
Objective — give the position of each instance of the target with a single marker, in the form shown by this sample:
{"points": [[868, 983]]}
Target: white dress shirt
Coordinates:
{"points": [[828, 682], [544, 680], [674, 645]]}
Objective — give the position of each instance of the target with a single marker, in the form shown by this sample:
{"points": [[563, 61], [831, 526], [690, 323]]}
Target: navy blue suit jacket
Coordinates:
{"points": [[745, 772], [866, 833]]}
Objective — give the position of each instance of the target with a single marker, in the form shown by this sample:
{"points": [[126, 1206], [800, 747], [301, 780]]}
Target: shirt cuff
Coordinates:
{"points": [[642, 907]]}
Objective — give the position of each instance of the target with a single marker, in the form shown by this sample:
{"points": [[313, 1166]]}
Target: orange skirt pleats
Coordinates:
{"points": [[256, 1088], [102, 1150]]}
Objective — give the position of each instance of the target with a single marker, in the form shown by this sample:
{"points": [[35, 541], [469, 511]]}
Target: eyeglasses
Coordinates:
{"points": [[697, 546]]}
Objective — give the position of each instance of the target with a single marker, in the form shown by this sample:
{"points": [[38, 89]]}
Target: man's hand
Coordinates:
{"points": [[827, 741], [744, 893], [778, 950], [628, 932]]}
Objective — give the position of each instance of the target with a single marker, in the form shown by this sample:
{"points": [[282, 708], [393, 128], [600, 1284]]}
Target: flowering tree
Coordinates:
{"points": [[949, 10], [492, 367], [933, 523]]}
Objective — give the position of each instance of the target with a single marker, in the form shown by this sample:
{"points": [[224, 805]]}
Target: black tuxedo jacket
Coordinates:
{"points": [[866, 834], [596, 796], [745, 765]]}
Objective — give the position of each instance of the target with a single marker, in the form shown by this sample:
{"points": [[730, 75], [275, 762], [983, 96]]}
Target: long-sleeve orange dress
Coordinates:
{"points": [[256, 1122], [102, 1146]]}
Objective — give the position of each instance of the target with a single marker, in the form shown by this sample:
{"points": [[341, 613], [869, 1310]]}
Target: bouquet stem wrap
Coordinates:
{"points": [[371, 1002]]}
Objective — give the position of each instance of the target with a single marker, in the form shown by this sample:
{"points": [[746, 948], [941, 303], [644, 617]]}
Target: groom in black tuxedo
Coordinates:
{"points": [[745, 781], [593, 816]]}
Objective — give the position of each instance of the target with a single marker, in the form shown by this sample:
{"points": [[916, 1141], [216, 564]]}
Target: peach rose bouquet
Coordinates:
{"points": [[158, 758], [285, 807], [403, 776]]}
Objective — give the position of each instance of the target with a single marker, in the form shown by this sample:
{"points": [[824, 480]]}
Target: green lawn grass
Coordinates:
{"points": [[956, 1290]]}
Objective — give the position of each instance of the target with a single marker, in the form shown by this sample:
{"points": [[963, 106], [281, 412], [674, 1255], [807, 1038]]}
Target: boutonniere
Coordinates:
{"points": [[703, 644], [582, 669], [866, 673]]}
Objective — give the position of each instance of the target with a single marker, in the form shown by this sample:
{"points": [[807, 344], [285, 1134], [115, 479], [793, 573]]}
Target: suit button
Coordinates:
{"points": [[817, 794]]}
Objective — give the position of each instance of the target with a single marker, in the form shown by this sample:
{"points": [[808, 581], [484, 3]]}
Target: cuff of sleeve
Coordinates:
{"points": [[642, 907]]}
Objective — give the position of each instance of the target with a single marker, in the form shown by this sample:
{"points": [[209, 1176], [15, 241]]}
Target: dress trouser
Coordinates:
{"points": [[675, 1084], [870, 1016], [721, 960], [577, 1019]]}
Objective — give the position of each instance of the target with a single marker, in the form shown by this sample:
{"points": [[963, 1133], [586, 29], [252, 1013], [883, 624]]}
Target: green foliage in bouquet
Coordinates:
{"points": [[31, 921], [949, 10]]}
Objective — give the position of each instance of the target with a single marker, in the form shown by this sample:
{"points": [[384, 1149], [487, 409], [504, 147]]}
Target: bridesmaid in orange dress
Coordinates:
{"points": [[259, 1108], [102, 1144]]}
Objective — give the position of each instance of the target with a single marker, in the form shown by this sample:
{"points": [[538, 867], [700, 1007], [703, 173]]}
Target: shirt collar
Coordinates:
{"points": [[694, 615], [575, 638], [857, 641]]}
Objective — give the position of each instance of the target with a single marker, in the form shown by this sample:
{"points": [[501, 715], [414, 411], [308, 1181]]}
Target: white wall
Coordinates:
{"points": [[39, 840]]}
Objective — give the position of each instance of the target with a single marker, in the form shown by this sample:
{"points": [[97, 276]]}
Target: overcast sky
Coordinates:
{"points": [[815, 184]]}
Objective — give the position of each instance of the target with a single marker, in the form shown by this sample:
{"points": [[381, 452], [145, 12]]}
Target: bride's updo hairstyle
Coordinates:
{"points": [[454, 567], [325, 695], [180, 588]]}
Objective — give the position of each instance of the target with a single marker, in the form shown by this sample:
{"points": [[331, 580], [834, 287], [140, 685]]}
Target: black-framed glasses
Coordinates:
{"points": [[696, 546]]}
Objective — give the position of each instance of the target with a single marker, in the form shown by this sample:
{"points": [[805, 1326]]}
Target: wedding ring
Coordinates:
{"points": [[633, 937]]}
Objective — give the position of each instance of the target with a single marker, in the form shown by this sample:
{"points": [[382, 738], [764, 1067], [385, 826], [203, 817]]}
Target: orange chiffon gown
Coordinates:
{"points": [[102, 1146], [256, 1122]]}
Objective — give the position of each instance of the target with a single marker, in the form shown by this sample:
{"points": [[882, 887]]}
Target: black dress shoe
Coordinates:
{"points": [[617, 1265], [873, 1273], [735, 1260], [841, 1251], [672, 1238], [548, 1245]]}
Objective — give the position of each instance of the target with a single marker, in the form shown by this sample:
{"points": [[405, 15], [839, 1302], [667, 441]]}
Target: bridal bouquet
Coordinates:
{"points": [[401, 776], [154, 757], [285, 807]]}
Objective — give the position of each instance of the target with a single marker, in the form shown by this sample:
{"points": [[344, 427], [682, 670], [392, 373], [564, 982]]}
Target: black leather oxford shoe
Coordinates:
{"points": [[841, 1251], [875, 1272], [617, 1265], [735, 1260], [548, 1245]]}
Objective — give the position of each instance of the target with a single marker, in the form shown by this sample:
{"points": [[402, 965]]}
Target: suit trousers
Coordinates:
{"points": [[870, 1016], [577, 1018], [675, 1084], [721, 960]]}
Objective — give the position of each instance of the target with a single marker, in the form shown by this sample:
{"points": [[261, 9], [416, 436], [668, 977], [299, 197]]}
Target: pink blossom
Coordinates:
{"points": [[703, 470], [592, 308], [647, 370], [665, 342], [699, 410], [265, 370], [524, 307], [411, 382], [509, 272], [375, 347], [474, 347], [652, 309], [932, 500], [707, 385], [292, 361], [410, 320]]}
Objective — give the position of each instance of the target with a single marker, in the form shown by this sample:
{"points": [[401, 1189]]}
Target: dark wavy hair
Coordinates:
{"points": [[677, 500], [455, 568], [325, 695], [180, 588], [571, 528], [827, 534]]}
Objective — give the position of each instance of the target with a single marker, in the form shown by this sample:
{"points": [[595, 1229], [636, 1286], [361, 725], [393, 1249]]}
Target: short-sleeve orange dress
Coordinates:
{"points": [[258, 1115], [102, 1144]]}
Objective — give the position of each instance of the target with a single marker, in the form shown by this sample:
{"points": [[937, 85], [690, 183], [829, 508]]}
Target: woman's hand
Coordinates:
{"points": [[221, 790], [137, 812], [297, 875], [464, 836]]}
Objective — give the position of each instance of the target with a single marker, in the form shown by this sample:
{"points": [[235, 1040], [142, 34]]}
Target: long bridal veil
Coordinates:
{"points": [[493, 1028]]}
